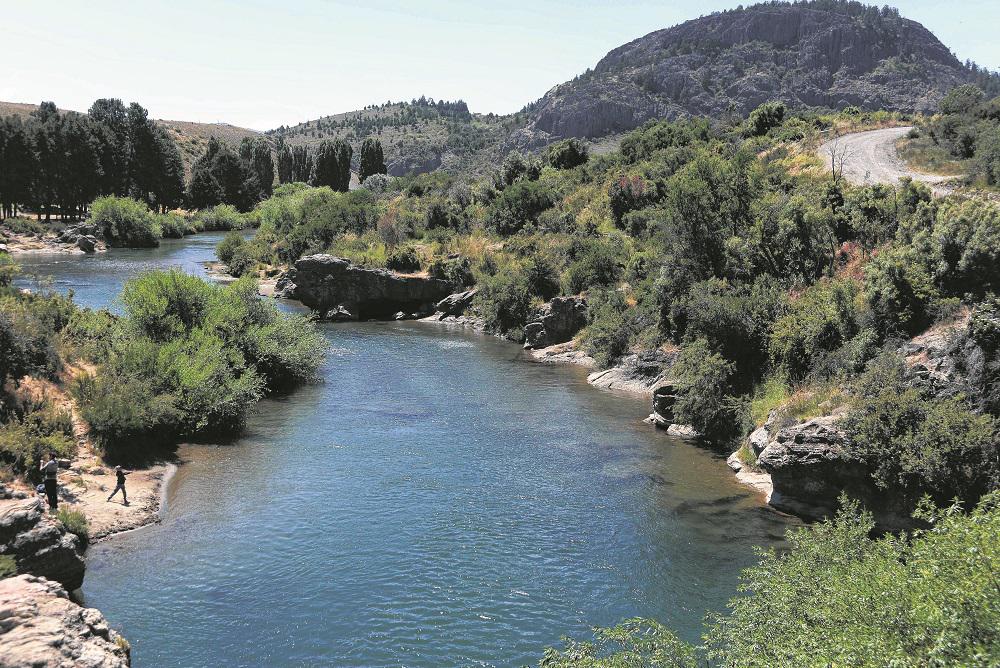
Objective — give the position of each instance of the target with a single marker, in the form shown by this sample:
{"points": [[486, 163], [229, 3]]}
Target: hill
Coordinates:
{"points": [[823, 53], [421, 135]]}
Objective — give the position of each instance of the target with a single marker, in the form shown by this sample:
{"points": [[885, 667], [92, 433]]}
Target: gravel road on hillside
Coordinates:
{"points": [[870, 157]]}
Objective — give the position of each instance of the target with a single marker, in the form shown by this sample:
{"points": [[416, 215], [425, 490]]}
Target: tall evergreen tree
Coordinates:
{"points": [[302, 164], [372, 159], [220, 177], [332, 165], [284, 161], [17, 165], [256, 156]]}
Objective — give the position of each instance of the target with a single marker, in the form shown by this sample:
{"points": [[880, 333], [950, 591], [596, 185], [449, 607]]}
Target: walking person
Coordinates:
{"points": [[51, 469], [120, 475]]}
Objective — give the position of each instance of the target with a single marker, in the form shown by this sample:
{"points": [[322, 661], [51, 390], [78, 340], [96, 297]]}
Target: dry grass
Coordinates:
{"points": [[923, 155]]}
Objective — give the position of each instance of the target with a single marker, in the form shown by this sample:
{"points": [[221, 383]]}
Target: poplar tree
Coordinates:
{"points": [[372, 160]]}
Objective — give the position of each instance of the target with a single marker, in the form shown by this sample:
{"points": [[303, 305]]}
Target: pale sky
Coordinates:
{"points": [[262, 64]]}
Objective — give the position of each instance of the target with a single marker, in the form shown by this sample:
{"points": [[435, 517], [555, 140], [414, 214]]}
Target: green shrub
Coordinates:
{"points": [[23, 225], [403, 259], [593, 263], [518, 206], [608, 337], [567, 154], [225, 249], [173, 226], [917, 444], [763, 118], [221, 218], [125, 222], [193, 359], [704, 401], [457, 271], [76, 523], [23, 444], [90, 333], [634, 642]]}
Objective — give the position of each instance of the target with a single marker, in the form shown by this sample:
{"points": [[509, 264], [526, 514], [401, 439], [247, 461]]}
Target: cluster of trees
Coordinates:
{"points": [[224, 176], [329, 164], [59, 162], [372, 120], [188, 358]]}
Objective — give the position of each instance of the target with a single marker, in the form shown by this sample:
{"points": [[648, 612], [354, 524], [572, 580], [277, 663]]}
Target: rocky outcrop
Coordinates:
{"points": [[639, 373], [556, 321], [735, 60], [455, 304], [810, 469], [340, 290], [41, 626], [39, 543]]}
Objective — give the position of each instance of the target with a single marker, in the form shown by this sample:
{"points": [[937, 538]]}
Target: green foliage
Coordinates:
{"points": [[457, 271], [518, 206], [859, 601], [173, 226], [76, 523], [612, 328], [226, 249], [508, 288], [372, 159], [633, 643], [220, 176], [818, 322], [220, 218], [190, 358], [567, 154], [24, 440], [917, 444], [125, 222], [403, 259], [593, 262], [703, 401], [332, 165], [765, 117]]}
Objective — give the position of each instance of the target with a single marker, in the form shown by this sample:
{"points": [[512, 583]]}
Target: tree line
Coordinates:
{"points": [[56, 162], [60, 162]]}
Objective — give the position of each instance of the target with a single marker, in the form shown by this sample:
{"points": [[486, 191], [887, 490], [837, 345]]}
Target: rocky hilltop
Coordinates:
{"points": [[823, 54]]}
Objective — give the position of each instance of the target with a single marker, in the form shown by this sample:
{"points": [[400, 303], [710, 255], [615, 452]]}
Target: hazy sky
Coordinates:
{"points": [[262, 64]]}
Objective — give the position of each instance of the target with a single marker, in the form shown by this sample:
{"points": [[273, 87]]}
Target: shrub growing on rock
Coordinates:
{"points": [[703, 400]]}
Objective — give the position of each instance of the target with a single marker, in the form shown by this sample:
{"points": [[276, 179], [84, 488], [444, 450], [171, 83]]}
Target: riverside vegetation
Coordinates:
{"points": [[780, 286]]}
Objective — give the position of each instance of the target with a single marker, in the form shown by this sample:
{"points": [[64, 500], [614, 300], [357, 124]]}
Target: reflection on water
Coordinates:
{"points": [[437, 500]]}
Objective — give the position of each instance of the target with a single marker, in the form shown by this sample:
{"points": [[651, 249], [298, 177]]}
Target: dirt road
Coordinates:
{"points": [[870, 157]]}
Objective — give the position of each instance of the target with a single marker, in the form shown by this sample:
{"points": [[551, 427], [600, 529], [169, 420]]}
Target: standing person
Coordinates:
{"points": [[51, 469], [120, 475]]}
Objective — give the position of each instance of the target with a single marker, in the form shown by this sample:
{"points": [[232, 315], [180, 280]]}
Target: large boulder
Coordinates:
{"points": [[455, 304], [39, 543], [329, 284], [810, 469], [41, 626], [556, 321], [87, 243], [640, 373]]}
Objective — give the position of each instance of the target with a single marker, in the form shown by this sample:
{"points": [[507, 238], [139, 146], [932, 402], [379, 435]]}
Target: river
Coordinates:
{"points": [[436, 501]]}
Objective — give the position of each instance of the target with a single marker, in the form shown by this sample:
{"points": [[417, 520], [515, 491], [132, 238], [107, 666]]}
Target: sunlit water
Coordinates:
{"points": [[437, 501]]}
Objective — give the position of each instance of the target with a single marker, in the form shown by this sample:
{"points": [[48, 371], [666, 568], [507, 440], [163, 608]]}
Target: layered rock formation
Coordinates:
{"points": [[556, 321], [340, 290], [730, 62], [41, 626], [39, 543], [639, 373]]}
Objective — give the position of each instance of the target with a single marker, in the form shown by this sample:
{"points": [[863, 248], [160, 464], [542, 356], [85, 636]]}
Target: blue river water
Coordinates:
{"points": [[437, 500]]}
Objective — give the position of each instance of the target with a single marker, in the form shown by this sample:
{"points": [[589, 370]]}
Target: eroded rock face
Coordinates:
{"points": [[640, 373], [455, 304], [39, 543], [41, 626], [556, 321], [333, 285]]}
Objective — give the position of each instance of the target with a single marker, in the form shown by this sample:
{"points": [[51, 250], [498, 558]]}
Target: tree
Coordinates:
{"points": [[220, 177], [284, 161], [17, 165], [372, 160], [703, 399], [763, 118], [302, 164], [568, 153], [332, 165], [256, 156]]}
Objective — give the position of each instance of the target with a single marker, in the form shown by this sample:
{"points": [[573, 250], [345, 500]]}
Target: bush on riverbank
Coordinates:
{"points": [[930, 600], [220, 218], [125, 222], [189, 358]]}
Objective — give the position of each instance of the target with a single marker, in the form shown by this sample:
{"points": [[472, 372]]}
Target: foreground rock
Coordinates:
{"points": [[39, 543], [340, 290], [41, 626], [810, 469], [556, 321]]}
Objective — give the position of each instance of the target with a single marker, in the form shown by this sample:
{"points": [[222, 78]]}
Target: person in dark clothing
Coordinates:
{"points": [[50, 470], [120, 475]]}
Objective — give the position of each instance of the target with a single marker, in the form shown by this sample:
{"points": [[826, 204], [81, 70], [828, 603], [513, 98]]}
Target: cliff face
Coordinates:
{"points": [[733, 61], [40, 626]]}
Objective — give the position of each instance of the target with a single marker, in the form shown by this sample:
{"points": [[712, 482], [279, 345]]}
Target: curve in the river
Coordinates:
{"points": [[435, 501]]}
